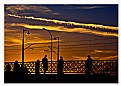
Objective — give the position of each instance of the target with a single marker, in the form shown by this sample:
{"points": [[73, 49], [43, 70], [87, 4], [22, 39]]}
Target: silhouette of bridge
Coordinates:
{"points": [[73, 67], [103, 71]]}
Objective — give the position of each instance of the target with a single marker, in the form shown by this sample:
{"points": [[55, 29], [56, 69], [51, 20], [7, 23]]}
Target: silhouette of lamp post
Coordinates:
{"points": [[57, 38], [23, 47], [50, 47]]}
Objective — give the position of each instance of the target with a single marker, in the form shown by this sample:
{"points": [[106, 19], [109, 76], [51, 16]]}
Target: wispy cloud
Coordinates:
{"points": [[66, 22], [115, 57], [79, 58], [62, 28], [10, 41], [103, 54], [101, 51], [16, 9], [9, 30], [91, 7], [85, 7]]}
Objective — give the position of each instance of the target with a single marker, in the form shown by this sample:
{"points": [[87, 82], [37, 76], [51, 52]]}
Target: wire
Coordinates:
{"points": [[89, 44], [73, 41], [63, 51], [69, 46]]}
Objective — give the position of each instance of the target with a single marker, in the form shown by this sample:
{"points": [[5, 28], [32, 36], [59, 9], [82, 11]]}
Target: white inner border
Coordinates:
{"points": [[2, 2]]}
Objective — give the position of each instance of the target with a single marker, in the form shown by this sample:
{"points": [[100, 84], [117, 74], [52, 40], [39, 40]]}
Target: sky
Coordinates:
{"points": [[82, 29]]}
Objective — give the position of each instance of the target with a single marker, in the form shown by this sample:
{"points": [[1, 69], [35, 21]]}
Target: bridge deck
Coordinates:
{"points": [[66, 78]]}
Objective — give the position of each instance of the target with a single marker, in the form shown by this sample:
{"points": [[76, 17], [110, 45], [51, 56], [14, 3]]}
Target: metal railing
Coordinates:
{"points": [[73, 67]]}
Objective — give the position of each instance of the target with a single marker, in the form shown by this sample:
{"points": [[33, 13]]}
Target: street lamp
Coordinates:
{"points": [[23, 47], [50, 47], [57, 38]]}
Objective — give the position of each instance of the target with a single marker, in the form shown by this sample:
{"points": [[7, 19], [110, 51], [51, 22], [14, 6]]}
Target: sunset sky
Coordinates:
{"points": [[82, 29]]}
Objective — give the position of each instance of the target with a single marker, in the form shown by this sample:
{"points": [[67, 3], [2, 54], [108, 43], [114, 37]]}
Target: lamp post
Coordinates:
{"points": [[50, 47], [23, 47], [57, 38]]}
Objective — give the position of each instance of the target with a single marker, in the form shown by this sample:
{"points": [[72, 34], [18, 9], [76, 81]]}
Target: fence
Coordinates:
{"points": [[73, 67]]}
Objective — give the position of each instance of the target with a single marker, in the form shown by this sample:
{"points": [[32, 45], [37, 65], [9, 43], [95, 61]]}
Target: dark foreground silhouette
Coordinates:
{"points": [[45, 64], [20, 74], [60, 66], [88, 65], [64, 78]]}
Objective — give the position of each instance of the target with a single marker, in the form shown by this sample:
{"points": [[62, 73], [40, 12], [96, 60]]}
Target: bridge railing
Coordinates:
{"points": [[73, 67]]}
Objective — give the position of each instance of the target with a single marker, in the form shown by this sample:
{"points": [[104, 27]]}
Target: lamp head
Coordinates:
{"points": [[43, 29], [28, 32], [54, 38]]}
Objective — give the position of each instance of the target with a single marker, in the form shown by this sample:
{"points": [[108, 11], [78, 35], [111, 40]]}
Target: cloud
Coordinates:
{"points": [[113, 57], [11, 41], [9, 30], [79, 57], [25, 9], [103, 53], [91, 7], [81, 27], [64, 29], [85, 7], [17, 8], [66, 22], [41, 41]]}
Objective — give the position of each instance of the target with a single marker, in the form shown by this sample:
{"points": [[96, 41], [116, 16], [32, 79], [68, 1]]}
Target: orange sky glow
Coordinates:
{"points": [[77, 40]]}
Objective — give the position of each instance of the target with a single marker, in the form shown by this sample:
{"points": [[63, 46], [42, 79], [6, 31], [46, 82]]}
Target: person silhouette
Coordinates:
{"points": [[37, 67], [45, 63], [8, 72], [60, 66], [17, 68], [88, 65], [8, 68]]}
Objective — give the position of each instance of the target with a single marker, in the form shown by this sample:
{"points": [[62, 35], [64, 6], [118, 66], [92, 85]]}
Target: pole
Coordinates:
{"points": [[23, 49], [51, 52], [58, 48], [51, 47]]}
